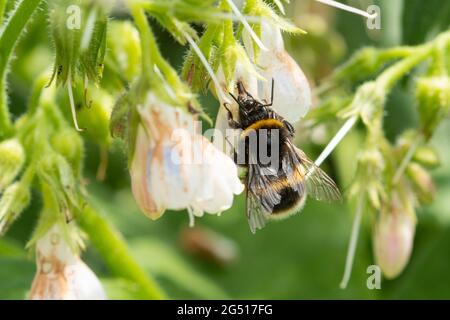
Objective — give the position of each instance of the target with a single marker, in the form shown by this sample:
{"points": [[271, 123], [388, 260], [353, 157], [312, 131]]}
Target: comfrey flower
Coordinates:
{"points": [[292, 90], [174, 167], [61, 275], [394, 235]]}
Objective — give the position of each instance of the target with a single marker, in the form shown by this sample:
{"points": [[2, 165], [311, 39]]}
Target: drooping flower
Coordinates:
{"points": [[61, 274], [174, 167], [292, 93], [394, 235]]}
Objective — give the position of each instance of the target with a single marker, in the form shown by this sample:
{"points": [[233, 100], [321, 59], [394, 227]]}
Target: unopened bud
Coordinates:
{"points": [[96, 118], [369, 176], [124, 48], [433, 96], [422, 182], [69, 144], [427, 157], [394, 236], [12, 157], [13, 201]]}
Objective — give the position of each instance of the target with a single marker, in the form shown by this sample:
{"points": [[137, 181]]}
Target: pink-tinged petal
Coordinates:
{"points": [[393, 238], [61, 275], [139, 173]]}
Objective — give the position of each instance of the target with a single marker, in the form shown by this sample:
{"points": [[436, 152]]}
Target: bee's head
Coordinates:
{"points": [[245, 100]]}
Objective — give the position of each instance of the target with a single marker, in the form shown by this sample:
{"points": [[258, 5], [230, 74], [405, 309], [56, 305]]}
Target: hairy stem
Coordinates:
{"points": [[115, 253], [8, 39], [150, 51], [146, 34], [393, 74]]}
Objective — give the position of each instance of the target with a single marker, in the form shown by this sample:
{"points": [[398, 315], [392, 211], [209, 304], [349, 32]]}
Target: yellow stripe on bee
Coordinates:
{"points": [[263, 124]]}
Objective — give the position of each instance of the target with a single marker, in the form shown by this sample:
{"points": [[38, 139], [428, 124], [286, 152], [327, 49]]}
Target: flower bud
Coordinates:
{"points": [[422, 182], [69, 144], [394, 235], [124, 48], [61, 275], [96, 118], [56, 173], [12, 202], [433, 97], [370, 176], [427, 157], [12, 157]]}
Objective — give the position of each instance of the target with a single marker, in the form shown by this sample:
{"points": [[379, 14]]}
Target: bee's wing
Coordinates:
{"points": [[318, 184], [256, 214], [261, 198]]}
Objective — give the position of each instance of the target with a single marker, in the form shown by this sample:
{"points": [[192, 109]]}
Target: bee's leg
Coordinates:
{"points": [[289, 126], [233, 149], [231, 122]]}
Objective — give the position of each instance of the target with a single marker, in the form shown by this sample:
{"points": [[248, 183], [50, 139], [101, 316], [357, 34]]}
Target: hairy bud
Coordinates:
{"points": [[12, 157]]}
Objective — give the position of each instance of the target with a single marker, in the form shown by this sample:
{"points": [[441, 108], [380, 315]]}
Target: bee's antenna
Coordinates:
{"points": [[271, 95], [234, 98], [271, 98]]}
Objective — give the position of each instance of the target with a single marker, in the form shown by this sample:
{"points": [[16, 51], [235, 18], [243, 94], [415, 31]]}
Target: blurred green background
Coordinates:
{"points": [[299, 258]]}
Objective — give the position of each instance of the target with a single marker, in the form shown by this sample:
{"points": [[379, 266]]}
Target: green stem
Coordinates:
{"points": [[419, 54], [113, 249], [150, 51], [393, 74], [396, 52], [8, 39], [145, 34]]}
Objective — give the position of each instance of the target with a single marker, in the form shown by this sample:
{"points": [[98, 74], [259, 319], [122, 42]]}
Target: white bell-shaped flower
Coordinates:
{"points": [[174, 167], [292, 93], [61, 275]]}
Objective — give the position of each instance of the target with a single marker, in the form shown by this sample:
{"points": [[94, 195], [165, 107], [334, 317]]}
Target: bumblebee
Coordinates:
{"points": [[277, 188]]}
